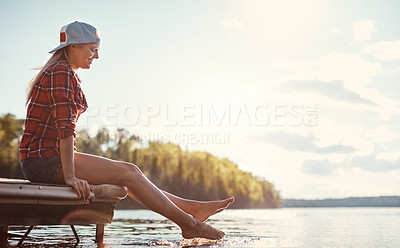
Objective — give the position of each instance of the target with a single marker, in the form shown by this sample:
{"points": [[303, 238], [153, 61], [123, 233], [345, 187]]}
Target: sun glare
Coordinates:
{"points": [[282, 21]]}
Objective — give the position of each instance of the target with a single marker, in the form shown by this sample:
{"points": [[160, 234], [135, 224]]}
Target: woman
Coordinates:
{"points": [[48, 154]]}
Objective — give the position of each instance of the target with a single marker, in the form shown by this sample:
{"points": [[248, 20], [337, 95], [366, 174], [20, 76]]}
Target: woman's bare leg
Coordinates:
{"points": [[98, 170], [200, 210]]}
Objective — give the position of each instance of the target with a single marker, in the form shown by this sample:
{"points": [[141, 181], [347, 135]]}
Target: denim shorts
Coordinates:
{"points": [[41, 170]]}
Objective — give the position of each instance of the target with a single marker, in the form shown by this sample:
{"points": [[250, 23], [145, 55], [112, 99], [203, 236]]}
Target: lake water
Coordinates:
{"points": [[287, 227]]}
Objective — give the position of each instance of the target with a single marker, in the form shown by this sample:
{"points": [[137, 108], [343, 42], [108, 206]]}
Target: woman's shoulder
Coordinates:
{"points": [[57, 73], [59, 66]]}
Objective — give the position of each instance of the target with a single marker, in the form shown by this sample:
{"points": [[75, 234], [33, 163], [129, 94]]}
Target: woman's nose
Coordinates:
{"points": [[96, 55]]}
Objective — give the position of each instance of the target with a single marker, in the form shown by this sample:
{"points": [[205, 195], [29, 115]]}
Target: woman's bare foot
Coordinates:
{"points": [[198, 229], [203, 210]]}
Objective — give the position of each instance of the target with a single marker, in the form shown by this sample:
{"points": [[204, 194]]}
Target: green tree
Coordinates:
{"points": [[198, 175], [11, 130]]}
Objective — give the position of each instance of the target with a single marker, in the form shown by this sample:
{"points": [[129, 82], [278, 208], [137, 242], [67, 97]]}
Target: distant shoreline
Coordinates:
{"points": [[380, 201]]}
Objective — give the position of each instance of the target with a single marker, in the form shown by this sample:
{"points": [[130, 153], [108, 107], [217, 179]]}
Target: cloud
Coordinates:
{"points": [[374, 164], [383, 134], [336, 148], [383, 50], [351, 68], [370, 163], [320, 168], [333, 89], [232, 22], [389, 156], [354, 71], [362, 30], [294, 142]]}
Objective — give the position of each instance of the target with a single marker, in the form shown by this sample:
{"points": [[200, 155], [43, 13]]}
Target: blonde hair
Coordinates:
{"points": [[59, 55]]}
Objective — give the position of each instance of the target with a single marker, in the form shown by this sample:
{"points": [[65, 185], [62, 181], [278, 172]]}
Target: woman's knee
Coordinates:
{"points": [[131, 171]]}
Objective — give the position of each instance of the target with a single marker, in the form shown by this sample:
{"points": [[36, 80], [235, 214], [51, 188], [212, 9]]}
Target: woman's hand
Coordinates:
{"points": [[82, 187]]}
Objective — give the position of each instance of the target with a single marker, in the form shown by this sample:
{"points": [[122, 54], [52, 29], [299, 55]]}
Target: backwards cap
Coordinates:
{"points": [[77, 33]]}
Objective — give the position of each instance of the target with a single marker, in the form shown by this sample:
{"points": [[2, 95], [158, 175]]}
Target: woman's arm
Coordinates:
{"points": [[82, 187], [61, 86]]}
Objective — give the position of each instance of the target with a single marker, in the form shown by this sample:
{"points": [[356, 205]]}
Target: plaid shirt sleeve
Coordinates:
{"points": [[54, 108], [61, 91]]}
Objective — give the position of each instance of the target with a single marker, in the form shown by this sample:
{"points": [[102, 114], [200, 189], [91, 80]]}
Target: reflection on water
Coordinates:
{"points": [[323, 227]]}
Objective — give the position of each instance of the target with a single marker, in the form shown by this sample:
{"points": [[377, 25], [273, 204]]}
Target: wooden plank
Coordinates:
{"points": [[11, 200], [25, 203], [34, 190], [26, 214], [105, 191]]}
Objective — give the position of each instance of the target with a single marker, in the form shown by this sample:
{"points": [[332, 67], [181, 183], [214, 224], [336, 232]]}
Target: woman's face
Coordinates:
{"points": [[82, 55]]}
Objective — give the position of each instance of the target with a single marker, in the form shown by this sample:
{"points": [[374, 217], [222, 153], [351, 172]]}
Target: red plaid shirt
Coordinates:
{"points": [[56, 103]]}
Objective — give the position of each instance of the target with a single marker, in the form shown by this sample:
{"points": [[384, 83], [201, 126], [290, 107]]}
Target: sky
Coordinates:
{"points": [[304, 94]]}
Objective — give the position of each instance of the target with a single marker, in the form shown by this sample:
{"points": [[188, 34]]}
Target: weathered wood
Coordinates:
{"points": [[25, 203], [34, 214], [23, 189]]}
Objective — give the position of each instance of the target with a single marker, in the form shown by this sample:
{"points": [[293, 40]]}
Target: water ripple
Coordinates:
{"points": [[244, 228]]}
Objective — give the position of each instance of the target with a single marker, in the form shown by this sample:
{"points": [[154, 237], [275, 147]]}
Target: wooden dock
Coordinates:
{"points": [[32, 204]]}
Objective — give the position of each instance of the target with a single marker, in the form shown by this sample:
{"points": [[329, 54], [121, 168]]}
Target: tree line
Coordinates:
{"points": [[193, 175], [379, 201]]}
